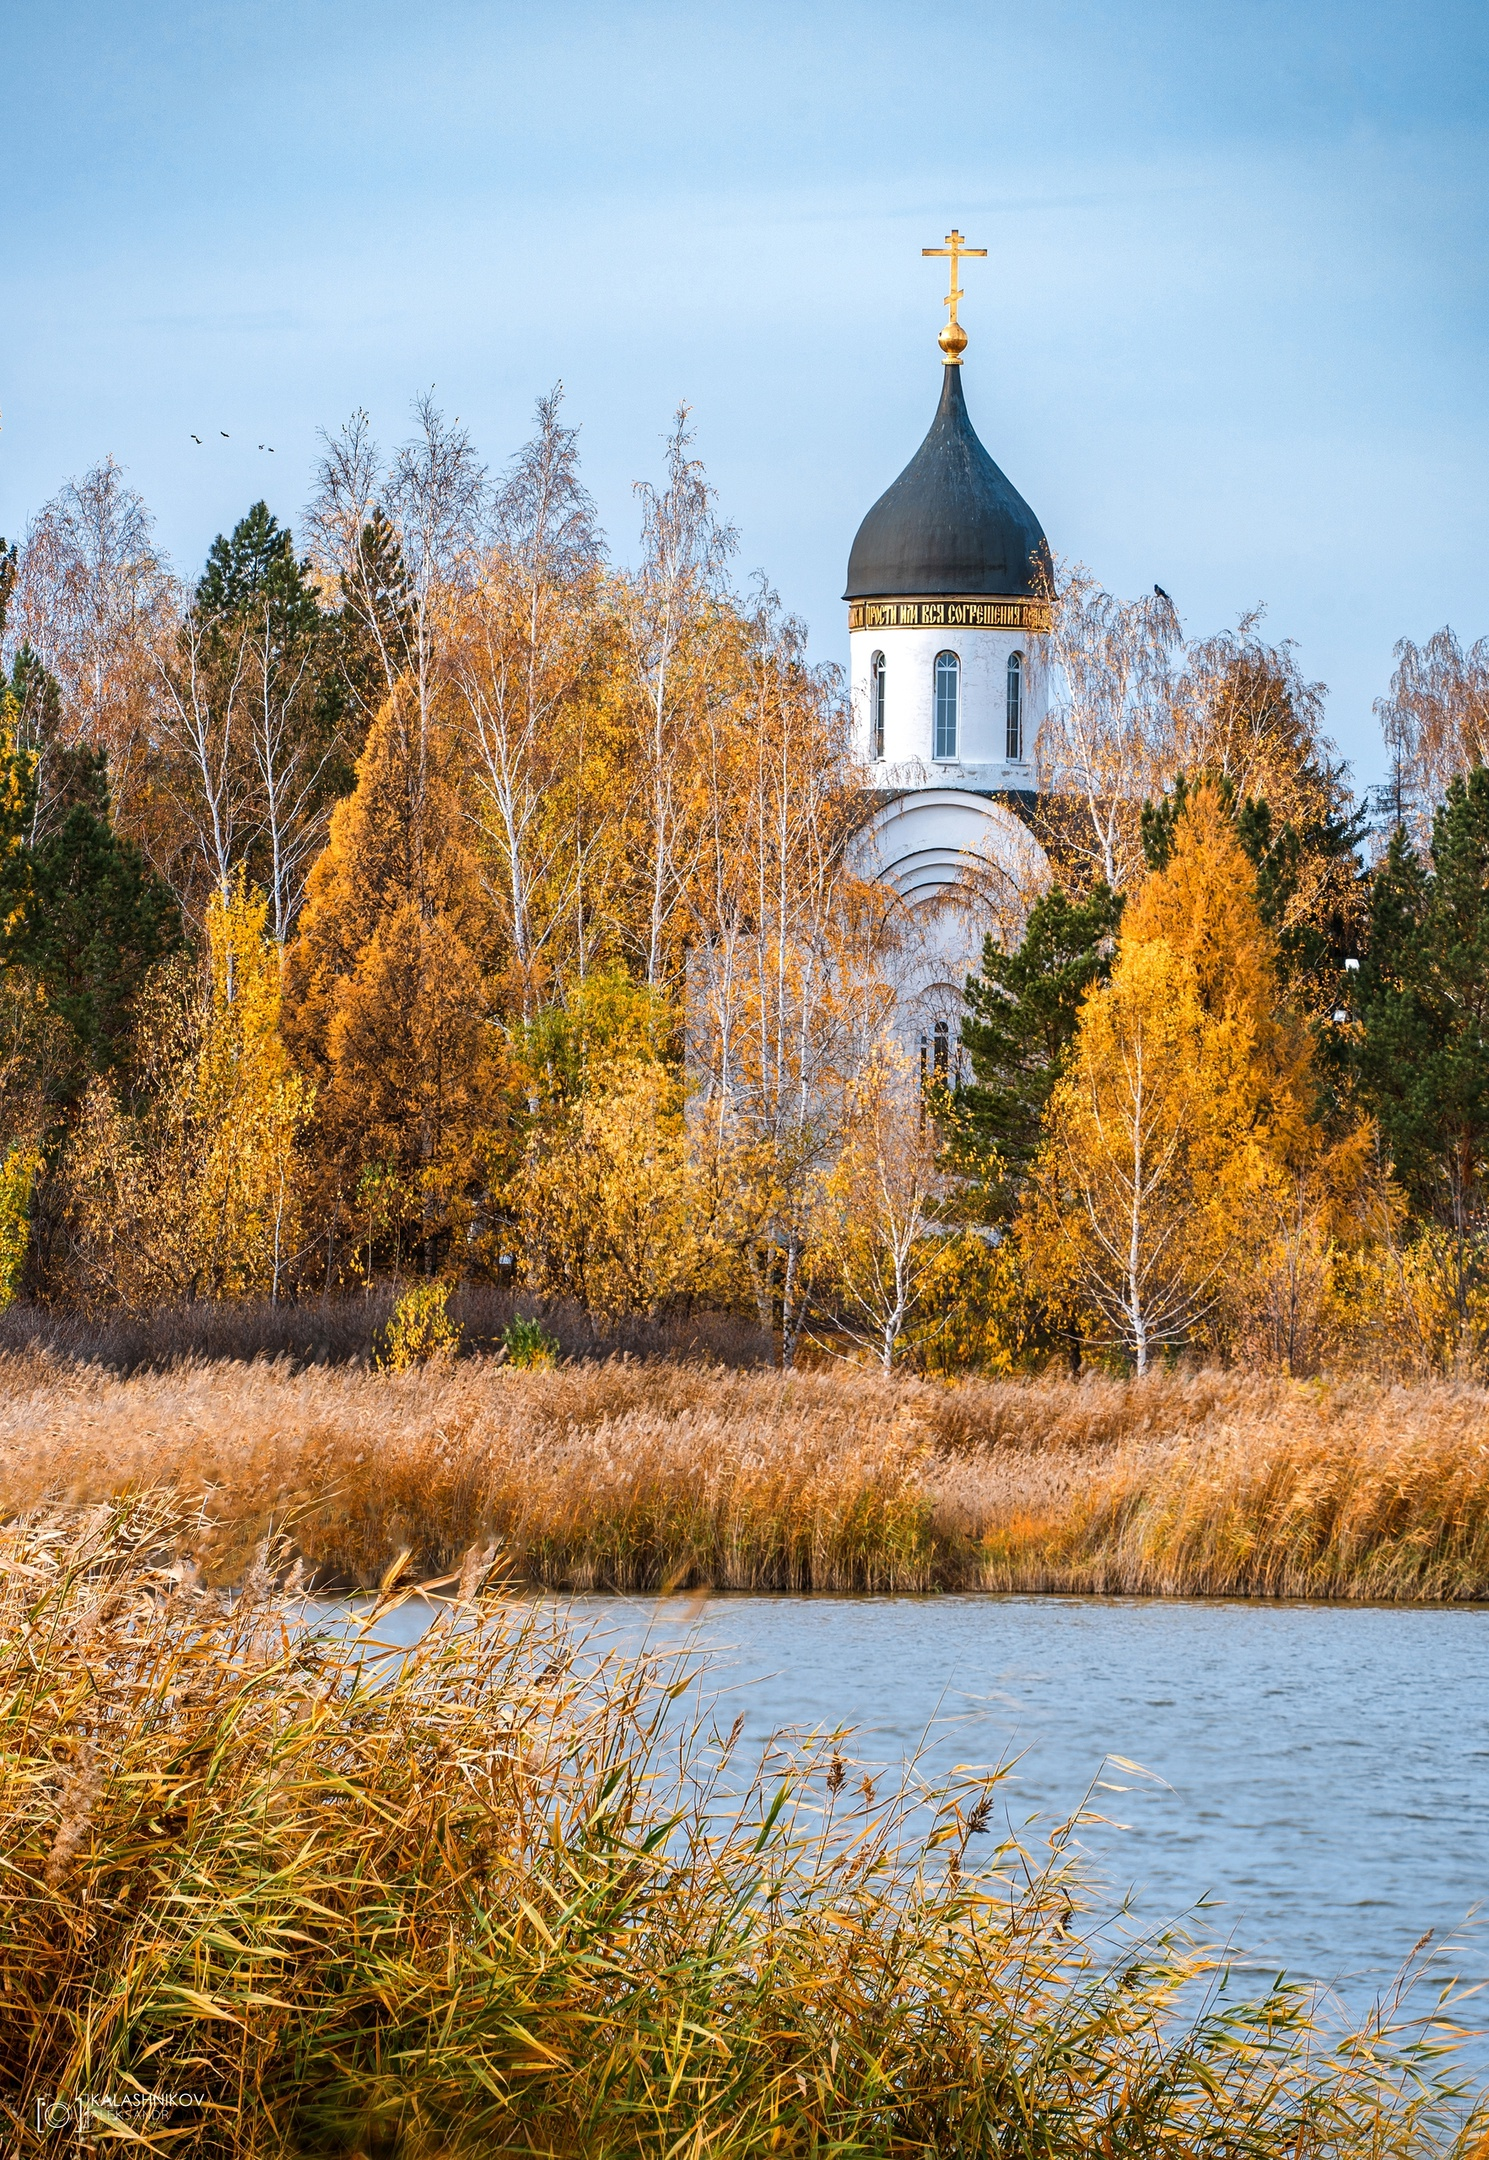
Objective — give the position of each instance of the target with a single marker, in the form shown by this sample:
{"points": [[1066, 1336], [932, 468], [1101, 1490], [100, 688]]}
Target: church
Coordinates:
{"points": [[949, 591]]}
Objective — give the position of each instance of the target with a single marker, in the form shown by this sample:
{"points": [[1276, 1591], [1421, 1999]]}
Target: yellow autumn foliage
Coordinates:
{"points": [[874, 1244], [1185, 1167], [196, 1194], [17, 1178], [604, 1201]]}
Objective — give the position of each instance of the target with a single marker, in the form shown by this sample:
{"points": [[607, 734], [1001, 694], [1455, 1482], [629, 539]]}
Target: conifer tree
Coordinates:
{"points": [[37, 1050], [371, 633], [394, 541], [255, 706], [388, 1003], [97, 918], [1021, 1019], [1204, 905], [36, 732], [1245, 715], [17, 807], [1313, 940], [84, 917], [1422, 1049]]}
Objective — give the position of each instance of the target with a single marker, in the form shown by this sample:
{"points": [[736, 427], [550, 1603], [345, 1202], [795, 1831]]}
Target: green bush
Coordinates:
{"points": [[527, 1343]]}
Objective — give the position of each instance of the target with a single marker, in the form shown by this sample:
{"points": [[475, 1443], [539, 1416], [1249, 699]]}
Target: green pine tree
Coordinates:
{"points": [[1422, 1048], [1020, 1021], [373, 630], [258, 562], [95, 918], [10, 570]]}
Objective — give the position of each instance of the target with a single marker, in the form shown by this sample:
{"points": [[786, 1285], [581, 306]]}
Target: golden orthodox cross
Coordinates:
{"points": [[953, 338]]}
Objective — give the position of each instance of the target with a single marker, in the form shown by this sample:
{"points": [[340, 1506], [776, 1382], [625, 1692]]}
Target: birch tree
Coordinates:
{"points": [[671, 614], [205, 724], [877, 1207], [290, 760], [1107, 741], [1183, 1118], [783, 1000], [1436, 725], [392, 539], [518, 653], [250, 746], [188, 1188], [93, 598], [1116, 1217]]}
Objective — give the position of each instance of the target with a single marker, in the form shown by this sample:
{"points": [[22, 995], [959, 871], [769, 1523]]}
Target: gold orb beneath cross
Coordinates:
{"points": [[953, 342]]}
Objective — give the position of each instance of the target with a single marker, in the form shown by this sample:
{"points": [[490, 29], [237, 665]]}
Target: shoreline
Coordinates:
{"points": [[654, 1478]]}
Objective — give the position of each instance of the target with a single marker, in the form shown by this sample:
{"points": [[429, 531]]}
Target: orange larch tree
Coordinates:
{"points": [[388, 995]]}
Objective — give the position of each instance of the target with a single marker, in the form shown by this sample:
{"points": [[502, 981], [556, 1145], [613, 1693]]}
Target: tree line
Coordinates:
{"points": [[443, 897]]}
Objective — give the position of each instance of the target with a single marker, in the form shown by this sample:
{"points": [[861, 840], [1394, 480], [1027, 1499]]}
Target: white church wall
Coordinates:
{"points": [[960, 867], [910, 705]]}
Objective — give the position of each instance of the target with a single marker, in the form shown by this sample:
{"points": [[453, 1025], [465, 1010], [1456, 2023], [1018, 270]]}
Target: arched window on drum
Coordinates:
{"points": [[948, 699], [1015, 708], [876, 706]]}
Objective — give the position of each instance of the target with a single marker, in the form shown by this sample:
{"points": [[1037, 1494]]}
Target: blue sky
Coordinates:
{"points": [[1232, 334]]}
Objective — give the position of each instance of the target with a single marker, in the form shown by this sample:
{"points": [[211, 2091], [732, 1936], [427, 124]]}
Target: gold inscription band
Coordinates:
{"points": [[948, 615]]}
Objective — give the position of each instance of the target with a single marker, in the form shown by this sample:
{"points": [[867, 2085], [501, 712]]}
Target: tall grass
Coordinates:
{"points": [[485, 1899], [636, 1476]]}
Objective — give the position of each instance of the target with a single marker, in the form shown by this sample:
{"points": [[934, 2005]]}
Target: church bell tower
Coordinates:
{"points": [[949, 593]]}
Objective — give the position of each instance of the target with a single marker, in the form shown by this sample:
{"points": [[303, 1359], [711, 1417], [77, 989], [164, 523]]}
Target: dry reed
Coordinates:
{"points": [[489, 1898], [635, 1476]]}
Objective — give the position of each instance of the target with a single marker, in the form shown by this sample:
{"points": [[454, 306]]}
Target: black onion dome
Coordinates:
{"points": [[952, 522]]}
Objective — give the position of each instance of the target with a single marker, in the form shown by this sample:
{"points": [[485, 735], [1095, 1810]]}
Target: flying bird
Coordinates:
{"points": [[1161, 593], [222, 431], [196, 438]]}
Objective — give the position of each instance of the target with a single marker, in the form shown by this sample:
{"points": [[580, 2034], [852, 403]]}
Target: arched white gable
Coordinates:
{"points": [[930, 841]]}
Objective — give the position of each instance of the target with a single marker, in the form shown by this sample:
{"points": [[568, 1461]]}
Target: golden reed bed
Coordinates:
{"points": [[269, 1893], [640, 1476]]}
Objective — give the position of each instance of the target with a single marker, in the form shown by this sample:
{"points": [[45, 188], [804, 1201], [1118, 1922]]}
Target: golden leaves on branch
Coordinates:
{"points": [[195, 1192], [604, 1200], [1184, 1150]]}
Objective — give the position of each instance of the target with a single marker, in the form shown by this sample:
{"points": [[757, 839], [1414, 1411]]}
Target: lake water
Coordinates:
{"points": [[1320, 1772]]}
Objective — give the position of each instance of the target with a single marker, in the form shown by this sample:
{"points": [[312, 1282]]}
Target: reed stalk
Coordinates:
{"points": [[496, 1896]]}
